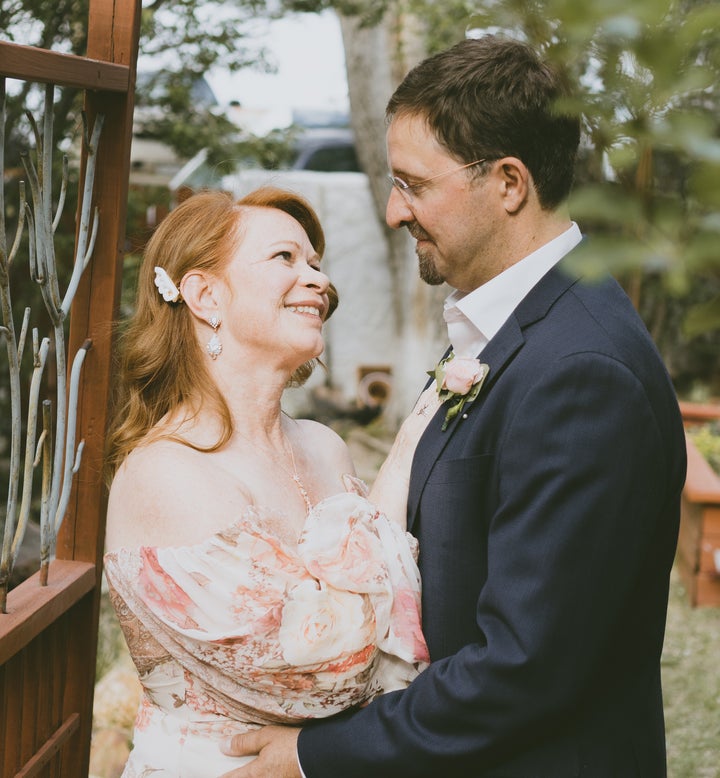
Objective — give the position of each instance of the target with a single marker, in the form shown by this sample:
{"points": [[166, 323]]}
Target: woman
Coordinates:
{"points": [[254, 581]]}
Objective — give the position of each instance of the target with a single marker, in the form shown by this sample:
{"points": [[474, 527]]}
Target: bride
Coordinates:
{"points": [[254, 579]]}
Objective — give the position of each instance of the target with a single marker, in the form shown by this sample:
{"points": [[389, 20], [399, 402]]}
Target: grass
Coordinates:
{"points": [[691, 687]]}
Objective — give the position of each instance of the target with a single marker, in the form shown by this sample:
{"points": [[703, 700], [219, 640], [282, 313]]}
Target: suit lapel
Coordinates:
{"points": [[498, 353]]}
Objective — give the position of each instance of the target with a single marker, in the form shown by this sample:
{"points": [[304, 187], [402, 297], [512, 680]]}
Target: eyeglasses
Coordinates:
{"points": [[406, 190]]}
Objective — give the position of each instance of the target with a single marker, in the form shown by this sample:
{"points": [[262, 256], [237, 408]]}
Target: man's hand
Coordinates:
{"points": [[276, 748]]}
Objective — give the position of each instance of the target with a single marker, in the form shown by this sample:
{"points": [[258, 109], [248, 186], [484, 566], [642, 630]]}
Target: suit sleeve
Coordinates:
{"points": [[582, 476]]}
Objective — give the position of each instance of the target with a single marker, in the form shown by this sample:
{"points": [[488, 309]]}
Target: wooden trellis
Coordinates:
{"points": [[48, 637]]}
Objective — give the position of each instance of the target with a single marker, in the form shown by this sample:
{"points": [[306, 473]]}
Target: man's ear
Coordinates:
{"points": [[198, 292], [516, 183]]}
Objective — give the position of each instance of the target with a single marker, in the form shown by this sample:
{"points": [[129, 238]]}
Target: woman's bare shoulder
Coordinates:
{"points": [[312, 429], [152, 492], [326, 447], [316, 434], [150, 464]]}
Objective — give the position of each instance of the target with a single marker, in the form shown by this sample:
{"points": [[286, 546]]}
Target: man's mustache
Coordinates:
{"points": [[417, 232]]}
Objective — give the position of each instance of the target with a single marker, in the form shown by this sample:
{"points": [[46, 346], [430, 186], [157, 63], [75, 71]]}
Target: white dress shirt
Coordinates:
{"points": [[473, 318]]}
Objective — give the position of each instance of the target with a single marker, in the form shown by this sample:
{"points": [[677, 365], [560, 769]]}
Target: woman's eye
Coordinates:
{"points": [[284, 255]]}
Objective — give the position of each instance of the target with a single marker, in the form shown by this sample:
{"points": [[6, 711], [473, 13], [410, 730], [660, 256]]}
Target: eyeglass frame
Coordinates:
{"points": [[405, 189]]}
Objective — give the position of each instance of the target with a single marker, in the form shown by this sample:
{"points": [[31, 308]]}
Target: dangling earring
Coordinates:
{"points": [[214, 346]]}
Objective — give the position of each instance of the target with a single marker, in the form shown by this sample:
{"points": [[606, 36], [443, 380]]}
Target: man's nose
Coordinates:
{"points": [[397, 210]]}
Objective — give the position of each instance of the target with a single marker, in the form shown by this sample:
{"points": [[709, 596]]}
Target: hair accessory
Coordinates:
{"points": [[170, 293], [214, 346]]}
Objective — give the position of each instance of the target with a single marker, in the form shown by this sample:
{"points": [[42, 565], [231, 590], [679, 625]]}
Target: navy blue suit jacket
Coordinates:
{"points": [[547, 521]]}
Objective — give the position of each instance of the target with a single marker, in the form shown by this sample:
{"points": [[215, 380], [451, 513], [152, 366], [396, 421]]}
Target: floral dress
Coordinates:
{"points": [[245, 629]]}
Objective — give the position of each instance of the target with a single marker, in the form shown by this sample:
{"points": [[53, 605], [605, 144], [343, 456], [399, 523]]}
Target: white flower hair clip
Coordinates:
{"points": [[170, 293]]}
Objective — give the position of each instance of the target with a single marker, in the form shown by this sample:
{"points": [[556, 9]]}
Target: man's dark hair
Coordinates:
{"points": [[493, 97]]}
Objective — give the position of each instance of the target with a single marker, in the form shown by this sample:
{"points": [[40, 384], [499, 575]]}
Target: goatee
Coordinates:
{"points": [[428, 272]]}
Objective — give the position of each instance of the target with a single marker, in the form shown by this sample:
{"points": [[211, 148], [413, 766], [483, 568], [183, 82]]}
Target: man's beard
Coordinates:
{"points": [[428, 271]]}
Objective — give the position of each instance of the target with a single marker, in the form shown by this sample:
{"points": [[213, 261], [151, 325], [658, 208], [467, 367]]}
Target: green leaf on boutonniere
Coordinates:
{"points": [[458, 381]]}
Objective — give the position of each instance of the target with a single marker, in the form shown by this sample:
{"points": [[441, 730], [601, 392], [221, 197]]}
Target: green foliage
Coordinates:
{"points": [[202, 35], [691, 685]]}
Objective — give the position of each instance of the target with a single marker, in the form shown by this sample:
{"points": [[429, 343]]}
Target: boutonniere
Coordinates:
{"points": [[458, 380]]}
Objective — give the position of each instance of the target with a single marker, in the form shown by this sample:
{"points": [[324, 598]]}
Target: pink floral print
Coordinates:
{"points": [[244, 629]]}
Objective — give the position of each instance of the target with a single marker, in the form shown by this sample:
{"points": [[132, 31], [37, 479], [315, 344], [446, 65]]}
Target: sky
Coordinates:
{"points": [[308, 51]]}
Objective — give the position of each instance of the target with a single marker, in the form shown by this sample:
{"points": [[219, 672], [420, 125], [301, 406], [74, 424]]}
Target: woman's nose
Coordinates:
{"points": [[315, 278]]}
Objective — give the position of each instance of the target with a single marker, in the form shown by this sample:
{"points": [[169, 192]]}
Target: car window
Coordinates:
{"points": [[330, 159]]}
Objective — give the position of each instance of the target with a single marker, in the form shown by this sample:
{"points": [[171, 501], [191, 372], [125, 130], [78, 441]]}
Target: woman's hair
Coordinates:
{"points": [[162, 365], [493, 97]]}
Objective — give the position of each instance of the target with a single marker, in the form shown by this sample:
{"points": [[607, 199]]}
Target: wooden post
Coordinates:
{"points": [[113, 31]]}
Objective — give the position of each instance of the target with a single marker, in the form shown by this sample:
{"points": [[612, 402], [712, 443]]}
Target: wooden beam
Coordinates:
{"points": [[113, 32], [50, 748], [31, 607], [51, 67]]}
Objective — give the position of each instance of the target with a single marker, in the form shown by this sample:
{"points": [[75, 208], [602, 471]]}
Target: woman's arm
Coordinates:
{"points": [[390, 489]]}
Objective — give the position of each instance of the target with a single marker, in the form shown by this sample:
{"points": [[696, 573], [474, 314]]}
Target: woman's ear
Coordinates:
{"points": [[198, 292], [516, 183]]}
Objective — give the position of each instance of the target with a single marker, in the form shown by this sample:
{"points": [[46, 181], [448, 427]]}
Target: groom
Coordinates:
{"points": [[547, 511]]}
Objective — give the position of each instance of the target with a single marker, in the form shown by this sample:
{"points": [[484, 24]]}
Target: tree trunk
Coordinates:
{"points": [[377, 58]]}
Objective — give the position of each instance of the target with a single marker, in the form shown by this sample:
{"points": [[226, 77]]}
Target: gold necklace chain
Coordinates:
{"points": [[294, 475]]}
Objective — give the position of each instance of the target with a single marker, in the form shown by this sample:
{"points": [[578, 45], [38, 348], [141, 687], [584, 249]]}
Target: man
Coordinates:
{"points": [[547, 511]]}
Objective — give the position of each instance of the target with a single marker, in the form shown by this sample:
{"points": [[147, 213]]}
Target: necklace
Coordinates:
{"points": [[294, 475]]}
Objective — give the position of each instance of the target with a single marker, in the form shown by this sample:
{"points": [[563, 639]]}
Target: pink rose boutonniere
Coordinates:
{"points": [[458, 380]]}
